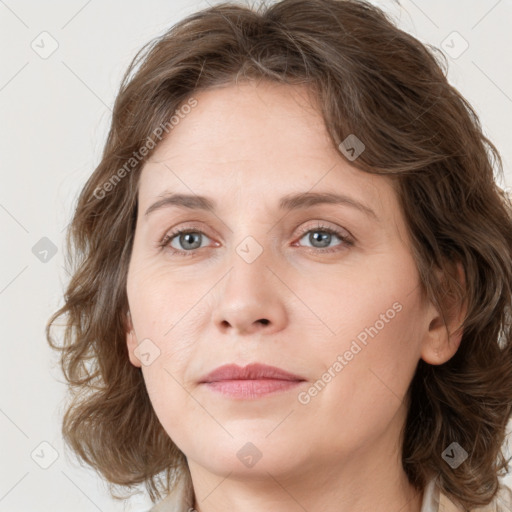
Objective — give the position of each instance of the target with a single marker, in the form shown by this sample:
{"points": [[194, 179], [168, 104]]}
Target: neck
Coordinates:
{"points": [[368, 480]]}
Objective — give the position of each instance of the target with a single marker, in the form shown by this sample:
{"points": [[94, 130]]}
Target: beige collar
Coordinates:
{"points": [[436, 501], [182, 500]]}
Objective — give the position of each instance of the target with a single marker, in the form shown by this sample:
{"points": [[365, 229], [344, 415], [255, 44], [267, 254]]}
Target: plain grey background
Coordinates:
{"points": [[61, 65]]}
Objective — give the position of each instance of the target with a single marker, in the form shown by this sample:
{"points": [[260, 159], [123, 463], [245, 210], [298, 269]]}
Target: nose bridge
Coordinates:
{"points": [[249, 276], [251, 296], [251, 243]]}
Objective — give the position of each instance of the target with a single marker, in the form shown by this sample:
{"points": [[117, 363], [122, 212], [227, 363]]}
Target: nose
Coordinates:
{"points": [[251, 299]]}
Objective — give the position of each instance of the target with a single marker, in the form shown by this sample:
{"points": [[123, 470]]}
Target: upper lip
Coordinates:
{"points": [[249, 372]]}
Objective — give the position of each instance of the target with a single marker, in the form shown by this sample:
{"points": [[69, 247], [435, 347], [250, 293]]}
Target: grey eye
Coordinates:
{"points": [[188, 240]]}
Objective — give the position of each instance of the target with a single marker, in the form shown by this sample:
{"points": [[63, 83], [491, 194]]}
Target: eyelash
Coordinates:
{"points": [[165, 242]]}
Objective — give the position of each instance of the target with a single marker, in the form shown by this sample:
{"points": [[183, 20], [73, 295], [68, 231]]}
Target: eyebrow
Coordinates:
{"points": [[288, 202]]}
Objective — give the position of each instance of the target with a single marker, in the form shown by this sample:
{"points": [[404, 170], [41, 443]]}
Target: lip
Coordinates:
{"points": [[252, 381], [254, 371]]}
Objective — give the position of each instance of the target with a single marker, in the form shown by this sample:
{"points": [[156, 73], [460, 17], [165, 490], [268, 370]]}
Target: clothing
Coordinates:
{"points": [[433, 501]]}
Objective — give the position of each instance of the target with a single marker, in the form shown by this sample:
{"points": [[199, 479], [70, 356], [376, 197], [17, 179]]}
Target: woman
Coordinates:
{"points": [[293, 274]]}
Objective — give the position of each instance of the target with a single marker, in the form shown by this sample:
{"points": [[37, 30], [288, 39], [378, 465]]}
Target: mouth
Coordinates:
{"points": [[252, 381]]}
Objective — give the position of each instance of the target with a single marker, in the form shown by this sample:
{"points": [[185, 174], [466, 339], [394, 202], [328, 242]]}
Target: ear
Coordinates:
{"points": [[442, 339], [131, 341]]}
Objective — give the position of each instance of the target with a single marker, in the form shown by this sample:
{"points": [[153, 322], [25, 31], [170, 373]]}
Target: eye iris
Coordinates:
{"points": [[188, 238], [320, 236]]}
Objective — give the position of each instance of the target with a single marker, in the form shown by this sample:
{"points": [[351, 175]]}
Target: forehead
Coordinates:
{"points": [[250, 116], [266, 138]]}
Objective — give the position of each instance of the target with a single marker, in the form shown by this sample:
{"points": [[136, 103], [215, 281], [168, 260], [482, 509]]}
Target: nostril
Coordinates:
{"points": [[263, 321]]}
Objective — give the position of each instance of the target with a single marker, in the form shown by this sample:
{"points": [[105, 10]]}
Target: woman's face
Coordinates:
{"points": [[271, 273]]}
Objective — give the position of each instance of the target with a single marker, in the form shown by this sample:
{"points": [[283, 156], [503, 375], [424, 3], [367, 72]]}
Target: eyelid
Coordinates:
{"points": [[321, 225], [186, 226]]}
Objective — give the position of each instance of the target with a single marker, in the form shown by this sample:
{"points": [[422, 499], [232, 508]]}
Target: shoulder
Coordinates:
{"points": [[501, 503], [180, 499], [171, 504]]}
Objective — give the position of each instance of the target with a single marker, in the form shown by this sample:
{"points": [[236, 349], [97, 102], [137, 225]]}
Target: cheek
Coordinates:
{"points": [[369, 363], [164, 301], [168, 319], [170, 401], [379, 352], [375, 306]]}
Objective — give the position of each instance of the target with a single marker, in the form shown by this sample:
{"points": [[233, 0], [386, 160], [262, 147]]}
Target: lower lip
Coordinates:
{"points": [[251, 388]]}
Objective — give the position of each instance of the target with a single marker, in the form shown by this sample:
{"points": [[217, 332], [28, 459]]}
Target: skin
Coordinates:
{"points": [[246, 146]]}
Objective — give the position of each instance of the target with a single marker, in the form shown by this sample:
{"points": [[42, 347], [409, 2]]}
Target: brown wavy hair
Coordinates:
{"points": [[370, 79]]}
